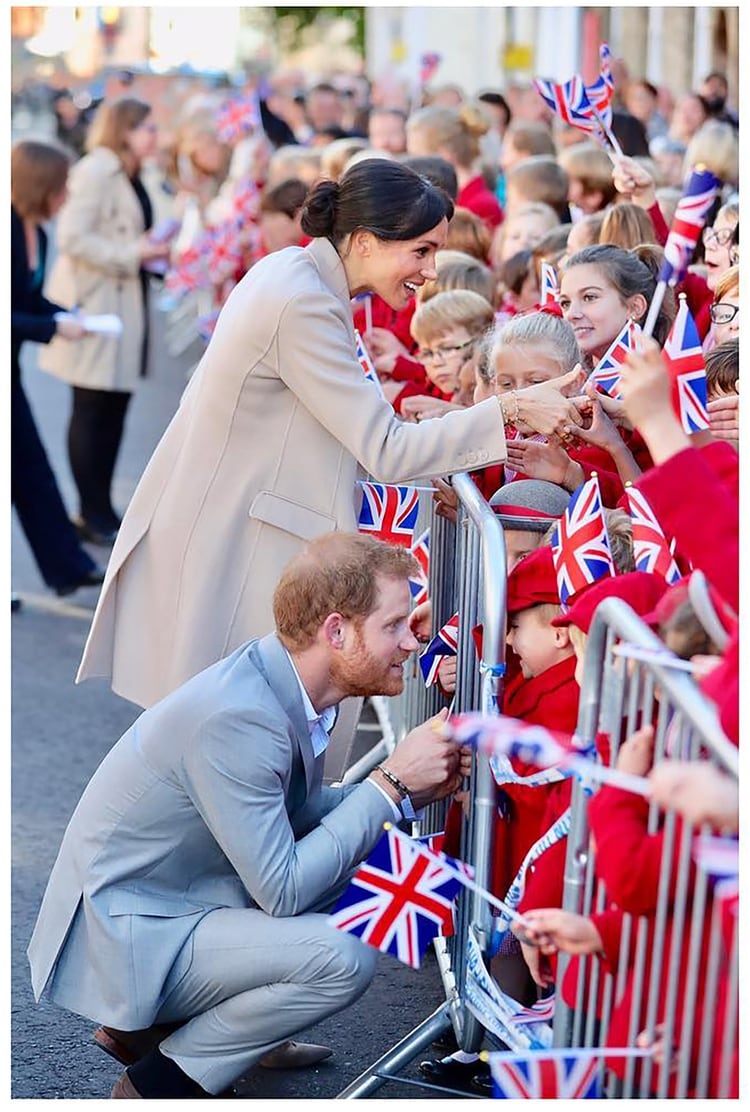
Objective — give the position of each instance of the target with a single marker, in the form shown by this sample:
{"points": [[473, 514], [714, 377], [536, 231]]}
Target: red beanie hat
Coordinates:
{"points": [[533, 581], [640, 589]]}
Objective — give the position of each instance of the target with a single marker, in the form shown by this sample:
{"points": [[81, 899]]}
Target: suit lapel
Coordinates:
{"points": [[283, 683]]}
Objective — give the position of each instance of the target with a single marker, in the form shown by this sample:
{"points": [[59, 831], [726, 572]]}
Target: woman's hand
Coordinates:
{"points": [[545, 408], [636, 754], [421, 407], [545, 461], [384, 349], [699, 791], [634, 181], [70, 329], [445, 499], [550, 929], [613, 407], [602, 432]]}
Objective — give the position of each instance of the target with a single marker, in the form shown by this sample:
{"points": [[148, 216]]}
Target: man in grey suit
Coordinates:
{"points": [[187, 901]]}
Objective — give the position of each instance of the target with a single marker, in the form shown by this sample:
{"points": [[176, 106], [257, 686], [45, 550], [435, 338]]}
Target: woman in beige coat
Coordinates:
{"points": [[273, 431], [102, 243]]}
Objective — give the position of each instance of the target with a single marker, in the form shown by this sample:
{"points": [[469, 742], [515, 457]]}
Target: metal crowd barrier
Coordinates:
{"points": [[467, 573], [619, 694]]}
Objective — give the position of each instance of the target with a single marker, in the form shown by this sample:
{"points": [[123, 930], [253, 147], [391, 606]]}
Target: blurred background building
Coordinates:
{"points": [[85, 48]]}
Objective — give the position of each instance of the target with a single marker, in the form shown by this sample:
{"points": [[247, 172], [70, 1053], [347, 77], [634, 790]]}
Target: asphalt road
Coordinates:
{"points": [[60, 733]]}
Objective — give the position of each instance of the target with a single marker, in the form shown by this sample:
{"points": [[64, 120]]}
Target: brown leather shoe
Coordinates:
{"points": [[292, 1055], [124, 1089], [128, 1047]]}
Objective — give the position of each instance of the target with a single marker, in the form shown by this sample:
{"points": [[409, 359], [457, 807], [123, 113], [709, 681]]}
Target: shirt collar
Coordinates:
{"points": [[316, 722]]}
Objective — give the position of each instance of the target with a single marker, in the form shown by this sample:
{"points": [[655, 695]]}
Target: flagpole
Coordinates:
{"points": [[588, 770], [504, 907], [422, 490], [654, 307], [610, 135]]}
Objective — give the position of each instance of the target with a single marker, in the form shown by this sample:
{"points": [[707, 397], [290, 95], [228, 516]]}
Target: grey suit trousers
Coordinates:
{"points": [[254, 981]]}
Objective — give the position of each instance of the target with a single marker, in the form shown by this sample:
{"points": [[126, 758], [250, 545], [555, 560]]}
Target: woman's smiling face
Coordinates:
{"points": [[593, 306], [395, 269]]}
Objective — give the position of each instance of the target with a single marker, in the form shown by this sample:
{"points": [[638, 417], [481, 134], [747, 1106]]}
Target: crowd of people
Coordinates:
{"points": [[428, 230]]}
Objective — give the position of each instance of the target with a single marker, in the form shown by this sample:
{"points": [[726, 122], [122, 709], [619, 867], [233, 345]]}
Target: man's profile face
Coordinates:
{"points": [[376, 647]]}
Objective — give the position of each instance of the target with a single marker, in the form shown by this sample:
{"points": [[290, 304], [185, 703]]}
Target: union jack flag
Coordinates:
{"points": [[550, 287], [606, 374], [497, 735], [569, 101], [601, 92], [690, 216], [400, 898], [366, 363], [246, 199], [536, 1077], [683, 355], [222, 248], [580, 545], [650, 549], [421, 551], [189, 273], [389, 512], [541, 1012], [444, 643], [237, 117], [428, 66]]}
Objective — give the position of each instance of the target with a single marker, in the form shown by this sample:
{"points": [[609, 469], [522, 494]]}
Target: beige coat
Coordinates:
{"points": [[261, 456], [97, 269]]}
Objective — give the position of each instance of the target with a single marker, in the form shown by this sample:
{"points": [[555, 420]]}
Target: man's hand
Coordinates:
{"points": [[428, 762]]}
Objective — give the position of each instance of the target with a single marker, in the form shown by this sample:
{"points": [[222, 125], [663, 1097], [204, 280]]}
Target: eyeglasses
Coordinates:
{"points": [[720, 236], [443, 354], [722, 312]]}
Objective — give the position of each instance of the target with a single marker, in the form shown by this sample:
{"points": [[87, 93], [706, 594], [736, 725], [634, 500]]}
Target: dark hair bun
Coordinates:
{"points": [[319, 213]]}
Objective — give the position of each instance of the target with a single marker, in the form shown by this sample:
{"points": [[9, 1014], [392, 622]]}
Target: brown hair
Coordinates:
{"points": [[467, 232], [38, 172], [335, 573], [723, 368], [530, 138], [540, 178], [111, 124], [627, 225], [287, 197], [458, 271], [452, 309], [689, 638]]}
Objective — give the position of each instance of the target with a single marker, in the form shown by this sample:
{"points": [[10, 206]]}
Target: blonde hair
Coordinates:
{"points": [[540, 178], [536, 330], [455, 131], [452, 309], [336, 155], [458, 271], [530, 138], [619, 526], [292, 161], [729, 283], [589, 165], [715, 144]]}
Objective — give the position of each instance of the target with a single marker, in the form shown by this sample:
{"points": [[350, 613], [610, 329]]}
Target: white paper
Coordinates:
{"points": [[103, 324]]}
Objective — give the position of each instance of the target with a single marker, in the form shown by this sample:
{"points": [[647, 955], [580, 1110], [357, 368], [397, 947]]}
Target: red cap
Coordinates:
{"points": [[640, 589], [533, 581], [672, 598]]}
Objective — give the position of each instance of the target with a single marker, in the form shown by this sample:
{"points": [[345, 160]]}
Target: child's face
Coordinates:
{"points": [[518, 367], [280, 230], [536, 643], [716, 254], [730, 330], [448, 352], [594, 307], [521, 232], [519, 543], [579, 237], [587, 201]]}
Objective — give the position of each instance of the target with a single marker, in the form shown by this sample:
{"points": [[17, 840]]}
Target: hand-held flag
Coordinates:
{"points": [[580, 545], [389, 512], [683, 355], [690, 216], [651, 552], [606, 374], [539, 1076], [444, 643], [421, 552]]}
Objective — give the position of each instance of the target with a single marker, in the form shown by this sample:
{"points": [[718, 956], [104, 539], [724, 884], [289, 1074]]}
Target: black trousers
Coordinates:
{"points": [[97, 421], [39, 505]]}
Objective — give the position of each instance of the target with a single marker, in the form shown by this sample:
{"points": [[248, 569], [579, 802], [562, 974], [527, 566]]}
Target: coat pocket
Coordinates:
{"points": [[290, 516], [125, 901]]}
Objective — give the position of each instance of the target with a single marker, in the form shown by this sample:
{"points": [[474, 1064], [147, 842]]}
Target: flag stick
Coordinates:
{"points": [[654, 307], [605, 775], [467, 883], [368, 312], [422, 490], [610, 135]]}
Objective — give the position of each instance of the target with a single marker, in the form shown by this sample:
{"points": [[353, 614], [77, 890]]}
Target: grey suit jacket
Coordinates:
{"points": [[212, 799]]}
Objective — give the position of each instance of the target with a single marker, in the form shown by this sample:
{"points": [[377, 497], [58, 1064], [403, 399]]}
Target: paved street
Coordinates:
{"points": [[60, 734]]}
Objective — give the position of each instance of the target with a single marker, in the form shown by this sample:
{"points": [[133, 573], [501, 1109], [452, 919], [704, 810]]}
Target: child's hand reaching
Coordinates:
{"points": [[551, 929], [545, 461], [636, 754]]}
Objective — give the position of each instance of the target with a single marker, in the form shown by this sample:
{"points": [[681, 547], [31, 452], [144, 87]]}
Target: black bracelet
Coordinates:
{"points": [[400, 787]]}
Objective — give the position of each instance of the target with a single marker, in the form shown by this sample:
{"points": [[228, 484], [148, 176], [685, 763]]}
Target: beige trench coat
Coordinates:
{"points": [[274, 429], [97, 269]]}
